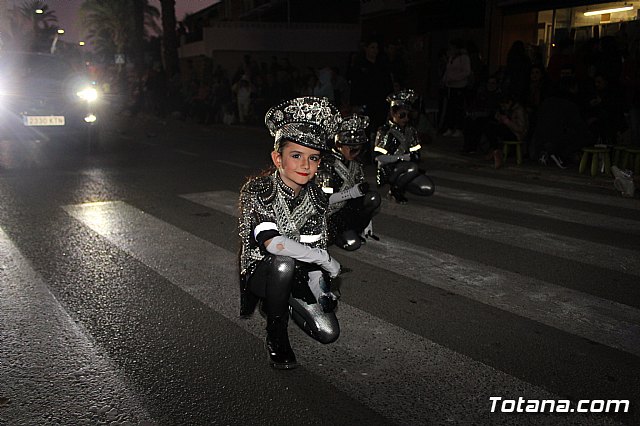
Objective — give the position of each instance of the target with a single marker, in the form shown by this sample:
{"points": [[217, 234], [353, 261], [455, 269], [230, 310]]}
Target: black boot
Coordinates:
{"points": [[248, 300], [281, 355], [397, 195], [348, 240]]}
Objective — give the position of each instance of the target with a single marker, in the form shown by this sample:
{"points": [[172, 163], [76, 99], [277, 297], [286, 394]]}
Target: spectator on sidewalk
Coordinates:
{"points": [[560, 130], [511, 123], [243, 90], [481, 112], [371, 82], [456, 79], [324, 84], [605, 110], [517, 71]]}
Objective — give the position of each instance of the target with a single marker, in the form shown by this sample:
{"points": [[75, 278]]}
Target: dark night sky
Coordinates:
{"points": [[67, 13]]}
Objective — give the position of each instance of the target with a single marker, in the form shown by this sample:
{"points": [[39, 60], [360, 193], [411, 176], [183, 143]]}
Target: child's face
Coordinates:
{"points": [[535, 75], [400, 117], [350, 152], [296, 164]]}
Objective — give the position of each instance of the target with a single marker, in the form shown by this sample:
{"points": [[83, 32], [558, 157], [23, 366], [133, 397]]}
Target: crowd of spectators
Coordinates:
{"points": [[587, 94], [216, 95], [242, 96]]}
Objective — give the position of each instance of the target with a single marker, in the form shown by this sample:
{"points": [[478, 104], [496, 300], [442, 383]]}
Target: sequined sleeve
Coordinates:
{"points": [[385, 145], [414, 144], [383, 139], [359, 173], [252, 213]]}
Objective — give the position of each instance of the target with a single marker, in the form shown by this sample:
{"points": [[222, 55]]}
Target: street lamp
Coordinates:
{"points": [[59, 32]]}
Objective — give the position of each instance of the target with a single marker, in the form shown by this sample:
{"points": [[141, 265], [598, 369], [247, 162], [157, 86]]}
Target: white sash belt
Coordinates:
{"points": [[310, 238]]}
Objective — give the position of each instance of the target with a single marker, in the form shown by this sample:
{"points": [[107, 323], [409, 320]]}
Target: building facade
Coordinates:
{"points": [[315, 34]]}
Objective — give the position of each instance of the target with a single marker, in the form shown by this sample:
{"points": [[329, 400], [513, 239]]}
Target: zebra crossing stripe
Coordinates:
{"points": [[574, 249], [403, 376], [606, 200], [44, 352], [604, 321], [543, 210]]}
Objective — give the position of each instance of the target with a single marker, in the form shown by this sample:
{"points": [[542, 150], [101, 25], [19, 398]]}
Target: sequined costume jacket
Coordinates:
{"points": [[267, 199], [393, 140], [338, 174]]}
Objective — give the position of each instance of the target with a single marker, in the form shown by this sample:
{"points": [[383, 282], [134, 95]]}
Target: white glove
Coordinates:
{"points": [[283, 246], [386, 158], [347, 194], [368, 231]]}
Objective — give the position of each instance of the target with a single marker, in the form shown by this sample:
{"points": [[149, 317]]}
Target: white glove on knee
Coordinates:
{"points": [[283, 246]]}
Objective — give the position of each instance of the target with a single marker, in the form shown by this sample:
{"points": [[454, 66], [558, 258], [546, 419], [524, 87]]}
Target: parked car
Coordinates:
{"points": [[43, 97]]}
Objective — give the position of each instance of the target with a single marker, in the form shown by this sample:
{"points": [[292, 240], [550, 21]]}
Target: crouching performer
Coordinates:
{"points": [[397, 151], [283, 231], [352, 204]]}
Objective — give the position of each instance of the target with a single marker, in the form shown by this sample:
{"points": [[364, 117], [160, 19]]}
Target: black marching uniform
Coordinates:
{"points": [[397, 153], [352, 204], [270, 209]]}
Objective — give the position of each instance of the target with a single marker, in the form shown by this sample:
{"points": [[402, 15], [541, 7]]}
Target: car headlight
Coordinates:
{"points": [[89, 94]]}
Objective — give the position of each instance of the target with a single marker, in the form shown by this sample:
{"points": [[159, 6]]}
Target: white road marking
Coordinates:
{"points": [[604, 321], [602, 255], [234, 164], [606, 200], [49, 368], [405, 377], [183, 152], [543, 210]]}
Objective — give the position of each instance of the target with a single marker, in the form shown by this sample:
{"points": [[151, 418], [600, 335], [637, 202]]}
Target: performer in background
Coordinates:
{"points": [[283, 231], [397, 151], [352, 204]]}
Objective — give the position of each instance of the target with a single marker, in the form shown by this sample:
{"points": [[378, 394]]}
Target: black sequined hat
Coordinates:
{"points": [[308, 121], [403, 98], [353, 130]]}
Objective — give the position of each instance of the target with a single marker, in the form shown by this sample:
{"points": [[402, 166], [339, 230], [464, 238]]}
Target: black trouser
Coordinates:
{"points": [[274, 280], [359, 211], [496, 132], [454, 114], [473, 131], [407, 176]]}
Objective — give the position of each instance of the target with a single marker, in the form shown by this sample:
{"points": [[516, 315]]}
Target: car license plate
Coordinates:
{"points": [[43, 120]]}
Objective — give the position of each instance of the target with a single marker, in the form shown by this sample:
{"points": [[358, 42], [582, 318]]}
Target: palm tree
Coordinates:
{"points": [[108, 21], [118, 26], [170, 38], [37, 29], [39, 21]]}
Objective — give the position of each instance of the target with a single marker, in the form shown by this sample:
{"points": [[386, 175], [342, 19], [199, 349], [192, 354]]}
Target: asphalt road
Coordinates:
{"points": [[118, 293]]}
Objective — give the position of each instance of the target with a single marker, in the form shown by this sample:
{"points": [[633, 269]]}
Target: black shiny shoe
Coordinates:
{"points": [[349, 240], [396, 195], [328, 303], [281, 356]]}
